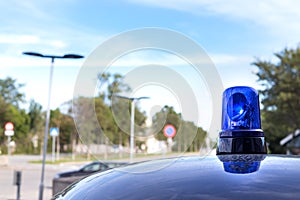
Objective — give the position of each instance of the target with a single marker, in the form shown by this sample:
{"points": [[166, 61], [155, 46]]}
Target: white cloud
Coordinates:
{"points": [[279, 17], [226, 59], [19, 39], [144, 57], [57, 43]]}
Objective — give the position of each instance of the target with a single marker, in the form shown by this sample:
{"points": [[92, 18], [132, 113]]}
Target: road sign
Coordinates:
{"points": [[9, 129], [169, 131], [9, 133], [54, 131], [9, 126]]}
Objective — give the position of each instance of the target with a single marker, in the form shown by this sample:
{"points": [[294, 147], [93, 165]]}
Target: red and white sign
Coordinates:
{"points": [[9, 126], [9, 129], [169, 131]]}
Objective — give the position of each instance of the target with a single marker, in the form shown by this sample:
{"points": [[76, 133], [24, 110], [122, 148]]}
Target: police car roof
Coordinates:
{"points": [[193, 177]]}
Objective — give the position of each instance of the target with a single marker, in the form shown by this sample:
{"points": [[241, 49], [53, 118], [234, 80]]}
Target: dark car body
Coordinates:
{"points": [[90, 168], [63, 179], [217, 177]]}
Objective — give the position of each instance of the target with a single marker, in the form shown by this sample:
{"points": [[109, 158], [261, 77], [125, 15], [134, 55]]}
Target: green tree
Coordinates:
{"points": [[105, 119], [188, 136], [10, 99], [36, 125], [10, 91], [280, 96], [21, 121], [199, 140], [115, 117], [23, 140], [122, 120], [85, 121], [67, 130], [111, 84], [35, 115], [112, 122]]}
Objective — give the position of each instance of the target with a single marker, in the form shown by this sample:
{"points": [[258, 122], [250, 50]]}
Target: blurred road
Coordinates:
{"points": [[31, 176]]}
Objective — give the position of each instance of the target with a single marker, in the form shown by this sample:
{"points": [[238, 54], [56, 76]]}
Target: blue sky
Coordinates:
{"points": [[233, 33]]}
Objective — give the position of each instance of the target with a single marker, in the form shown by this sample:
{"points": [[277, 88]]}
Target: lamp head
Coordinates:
{"points": [[74, 56], [241, 127], [33, 54]]}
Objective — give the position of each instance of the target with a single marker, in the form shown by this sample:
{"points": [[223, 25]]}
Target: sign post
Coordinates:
{"points": [[9, 131], [169, 132], [54, 133], [17, 182]]}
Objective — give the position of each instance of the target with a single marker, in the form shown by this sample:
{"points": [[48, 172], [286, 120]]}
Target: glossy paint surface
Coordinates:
{"points": [[225, 177]]}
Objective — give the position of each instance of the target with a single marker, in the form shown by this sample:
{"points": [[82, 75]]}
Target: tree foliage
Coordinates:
{"points": [[189, 137], [10, 98], [111, 84], [36, 125], [28, 125], [280, 96], [96, 119], [108, 123], [67, 129], [10, 91]]}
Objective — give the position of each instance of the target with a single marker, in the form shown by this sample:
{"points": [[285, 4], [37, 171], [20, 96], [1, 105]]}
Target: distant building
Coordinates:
{"points": [[292, 143], [154, 146]]}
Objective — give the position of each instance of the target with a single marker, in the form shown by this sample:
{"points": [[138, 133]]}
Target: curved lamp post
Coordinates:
{"points": [[133, 100], [69, 56]]}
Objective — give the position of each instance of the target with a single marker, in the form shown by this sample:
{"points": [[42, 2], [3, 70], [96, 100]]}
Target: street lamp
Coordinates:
{"points": [[69, 56], [133, 100]]}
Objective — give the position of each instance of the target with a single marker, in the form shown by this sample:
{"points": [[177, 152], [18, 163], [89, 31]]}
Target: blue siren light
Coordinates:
{"points": [[241, 163], [241, 128], [240, 109], [241, 167]]}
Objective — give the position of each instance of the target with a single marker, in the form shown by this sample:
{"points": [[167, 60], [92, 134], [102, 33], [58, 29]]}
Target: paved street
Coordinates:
{"points": [[31, 176]]}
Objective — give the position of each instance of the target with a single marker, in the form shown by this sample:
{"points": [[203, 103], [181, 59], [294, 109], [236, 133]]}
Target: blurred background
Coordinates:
{"points": [[251, 43]]}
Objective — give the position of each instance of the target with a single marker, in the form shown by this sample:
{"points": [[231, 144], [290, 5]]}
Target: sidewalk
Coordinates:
{"points": [[30, 177]]}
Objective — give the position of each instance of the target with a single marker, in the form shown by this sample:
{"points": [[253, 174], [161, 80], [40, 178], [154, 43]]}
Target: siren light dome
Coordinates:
{"points": [[241, 127], [240, 109]]}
